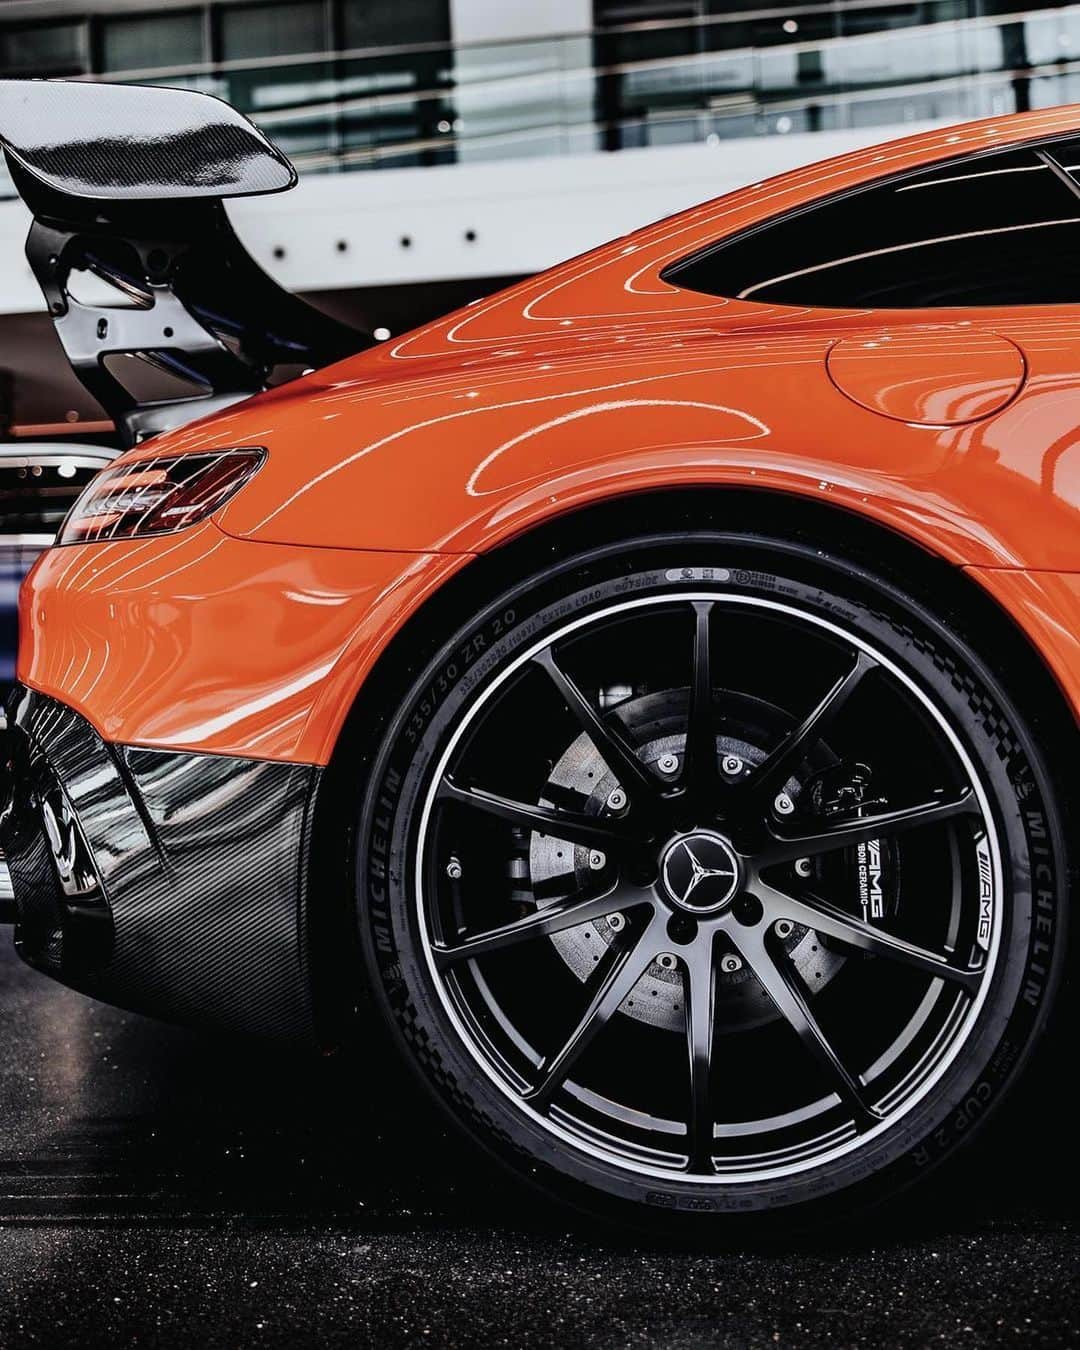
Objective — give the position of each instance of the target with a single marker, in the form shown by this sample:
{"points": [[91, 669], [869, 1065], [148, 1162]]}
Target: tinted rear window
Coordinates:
{"points": [[995, 230]]}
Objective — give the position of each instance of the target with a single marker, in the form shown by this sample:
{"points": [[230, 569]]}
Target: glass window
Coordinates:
{"points": [[249, 32], [995, 230], [51, 49], [147, 41], [388, 23], [1067, 154]]}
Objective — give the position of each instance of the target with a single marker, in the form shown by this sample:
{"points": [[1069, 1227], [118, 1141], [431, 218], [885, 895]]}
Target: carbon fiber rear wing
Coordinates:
{"points": [[126, 183]]}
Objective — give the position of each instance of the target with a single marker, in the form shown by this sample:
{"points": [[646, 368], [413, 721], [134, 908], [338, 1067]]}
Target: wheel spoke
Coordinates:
{"points": [[824, 917], [553, 918], [620, 757], [862, 829], [608, 833], [775, 771], [700, 970], [768, 818], [779, 981], [700, 769], [621, 974]]}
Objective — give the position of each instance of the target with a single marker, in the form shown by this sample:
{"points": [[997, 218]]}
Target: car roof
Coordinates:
{"points": [[623, 281], [826, 178]]}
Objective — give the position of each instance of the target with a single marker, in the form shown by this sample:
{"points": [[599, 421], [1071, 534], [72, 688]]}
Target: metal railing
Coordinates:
{"points": [[810, 68]]}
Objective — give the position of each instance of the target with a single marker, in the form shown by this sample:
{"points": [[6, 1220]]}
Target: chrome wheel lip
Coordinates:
{"points": [[640, 1168]]}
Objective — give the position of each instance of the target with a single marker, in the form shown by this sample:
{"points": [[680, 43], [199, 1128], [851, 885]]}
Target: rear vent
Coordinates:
{"points": [[36, 496]]}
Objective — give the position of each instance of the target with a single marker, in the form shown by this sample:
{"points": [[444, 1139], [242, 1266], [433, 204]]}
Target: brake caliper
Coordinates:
{"points": [[871, 870]]}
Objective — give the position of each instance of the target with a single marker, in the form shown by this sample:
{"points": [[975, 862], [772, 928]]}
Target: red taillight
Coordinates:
{"points": [[157, 496]]}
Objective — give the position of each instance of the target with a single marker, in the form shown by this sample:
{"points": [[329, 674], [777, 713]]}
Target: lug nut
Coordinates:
{"points": [[803, 867], [783, 928], [597, 860], [667, 763], [616, 922], [666, 961], [681, 928], [616, 799], [783, 806], [732, 765], [748, 910], [453, 868], [730, 963]]}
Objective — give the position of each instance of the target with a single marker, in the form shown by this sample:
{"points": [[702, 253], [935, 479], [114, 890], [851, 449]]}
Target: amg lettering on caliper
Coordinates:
{"points": [[871, 893]]}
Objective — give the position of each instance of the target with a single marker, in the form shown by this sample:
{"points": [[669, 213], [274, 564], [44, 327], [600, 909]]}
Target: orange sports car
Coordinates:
{"points": [[648, 694]]}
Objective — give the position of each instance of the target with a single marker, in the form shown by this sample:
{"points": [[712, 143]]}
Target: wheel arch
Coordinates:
{"points": [[837, 533]]}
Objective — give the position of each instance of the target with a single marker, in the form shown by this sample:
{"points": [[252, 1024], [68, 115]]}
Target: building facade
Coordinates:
{"points": [[448, 145]]}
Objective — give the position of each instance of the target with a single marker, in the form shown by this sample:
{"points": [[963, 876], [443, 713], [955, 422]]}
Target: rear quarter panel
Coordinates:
{"points": [[462, 460], [591, 382]]}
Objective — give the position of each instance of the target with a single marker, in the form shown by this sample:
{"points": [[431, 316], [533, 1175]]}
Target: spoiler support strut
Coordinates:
{"points": [[142, 210]]}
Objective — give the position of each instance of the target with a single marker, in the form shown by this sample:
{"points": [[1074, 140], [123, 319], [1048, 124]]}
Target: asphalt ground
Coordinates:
{"points": [[164, 1188]]}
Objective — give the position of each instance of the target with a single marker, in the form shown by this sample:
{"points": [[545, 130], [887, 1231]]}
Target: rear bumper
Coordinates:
{"points": [[167, 882]]}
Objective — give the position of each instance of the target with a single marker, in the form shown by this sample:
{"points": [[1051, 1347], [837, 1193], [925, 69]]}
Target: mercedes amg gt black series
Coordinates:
{"points": [[648, 694]]}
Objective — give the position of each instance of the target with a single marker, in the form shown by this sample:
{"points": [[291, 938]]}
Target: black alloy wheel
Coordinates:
{"points": [[707, 888]]}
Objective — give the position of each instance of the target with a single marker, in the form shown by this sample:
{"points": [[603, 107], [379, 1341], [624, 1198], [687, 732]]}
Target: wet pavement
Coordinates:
{"points": [[159, 1187]]}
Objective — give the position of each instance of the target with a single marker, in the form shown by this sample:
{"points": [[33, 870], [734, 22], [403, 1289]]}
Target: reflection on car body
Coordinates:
{"points": [[656, 685]]}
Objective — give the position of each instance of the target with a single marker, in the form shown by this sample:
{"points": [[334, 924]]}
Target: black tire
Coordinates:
{"points": [[452, 1024]]}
